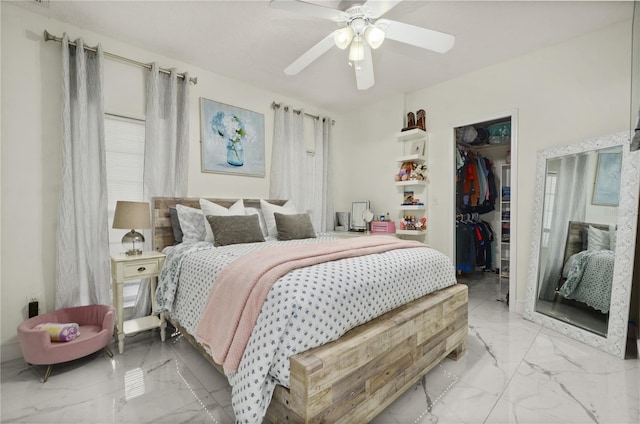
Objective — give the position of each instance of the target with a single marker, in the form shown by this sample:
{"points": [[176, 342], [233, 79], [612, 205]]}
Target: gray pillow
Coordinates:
{"points": [[235, 229], [293, 227], [175, 225]]}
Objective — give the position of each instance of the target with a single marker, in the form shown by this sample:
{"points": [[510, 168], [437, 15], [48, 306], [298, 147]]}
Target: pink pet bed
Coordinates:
{"points": [[95, 328]]}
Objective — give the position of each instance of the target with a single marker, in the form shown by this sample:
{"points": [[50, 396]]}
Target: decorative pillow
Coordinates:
{"points": [[175, 225], [191, 223], [598, 239], [235, 229], [293, 227], [60, 332], [268, 209], [209, 208], [263, 225]]}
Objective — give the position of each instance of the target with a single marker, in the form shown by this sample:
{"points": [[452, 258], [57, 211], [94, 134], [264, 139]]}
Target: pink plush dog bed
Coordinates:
{"points": [[95, 322]]}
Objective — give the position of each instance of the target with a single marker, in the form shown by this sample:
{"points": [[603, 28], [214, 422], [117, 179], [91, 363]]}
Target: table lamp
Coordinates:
{"points": [[130, 215]]}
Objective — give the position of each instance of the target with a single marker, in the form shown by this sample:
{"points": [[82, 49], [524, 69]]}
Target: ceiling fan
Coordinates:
{"points": [[361, 30]]}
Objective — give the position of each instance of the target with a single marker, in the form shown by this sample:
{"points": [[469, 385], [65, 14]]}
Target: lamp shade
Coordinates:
{"points": [[342, 37], [374, 36], [130, 215]]}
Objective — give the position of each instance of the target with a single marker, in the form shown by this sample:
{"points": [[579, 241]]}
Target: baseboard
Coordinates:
{"points": [[10, 351]]}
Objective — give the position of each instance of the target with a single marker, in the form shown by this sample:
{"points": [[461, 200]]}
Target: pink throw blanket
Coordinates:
{"points": [[242, 286]]}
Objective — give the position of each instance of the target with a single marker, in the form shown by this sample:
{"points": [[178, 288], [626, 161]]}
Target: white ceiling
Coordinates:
{"points": [[251, 42]]}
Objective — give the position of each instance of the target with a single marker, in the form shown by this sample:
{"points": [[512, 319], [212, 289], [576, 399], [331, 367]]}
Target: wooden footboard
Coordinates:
{"points": [[354, 378]]}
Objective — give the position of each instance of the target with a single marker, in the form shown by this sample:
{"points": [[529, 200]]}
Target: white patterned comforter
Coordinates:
{"points": [[590, 278], [306, 308]]}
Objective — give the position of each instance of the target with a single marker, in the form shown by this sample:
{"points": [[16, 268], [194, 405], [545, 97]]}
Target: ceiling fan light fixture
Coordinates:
{"points": [[374, 36], [342, 37], [356, 51]]}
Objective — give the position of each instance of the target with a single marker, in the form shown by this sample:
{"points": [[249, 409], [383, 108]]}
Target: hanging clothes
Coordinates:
{"points": [[474, 243], [476, 190]]}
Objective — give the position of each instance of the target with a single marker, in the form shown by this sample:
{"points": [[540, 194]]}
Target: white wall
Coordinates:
{"points": [[563, 94], [31, 139]]}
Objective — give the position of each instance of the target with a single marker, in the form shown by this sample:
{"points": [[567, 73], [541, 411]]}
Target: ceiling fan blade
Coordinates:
{"points": [[310, 9], [310, 55], [376, 8], [420, 37], [364, 70]]}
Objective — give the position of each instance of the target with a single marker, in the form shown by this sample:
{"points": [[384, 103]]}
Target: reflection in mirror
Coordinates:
{"points": [[583, 242], [577, 257]]}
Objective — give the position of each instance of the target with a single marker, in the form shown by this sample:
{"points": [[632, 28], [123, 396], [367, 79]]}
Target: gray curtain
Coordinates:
{"points": [[287, 158], [321, 207], [569, 205], [166, 150], [82, 263]]}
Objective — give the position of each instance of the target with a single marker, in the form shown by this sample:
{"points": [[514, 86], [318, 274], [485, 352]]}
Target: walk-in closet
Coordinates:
{"points": [[484, 203]]}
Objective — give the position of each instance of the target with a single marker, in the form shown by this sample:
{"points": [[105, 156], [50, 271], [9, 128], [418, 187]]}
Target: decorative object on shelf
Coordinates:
{"points": [[342, 221], [417, 147], [409, 222], [421, 119], [130, 215], [420, 123], [232, 139], [500, 133], [411, 171], [407, 198]]}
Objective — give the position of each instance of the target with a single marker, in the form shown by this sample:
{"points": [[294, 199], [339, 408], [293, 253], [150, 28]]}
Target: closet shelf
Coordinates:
{"points": [[412, 158], [414, 134]]}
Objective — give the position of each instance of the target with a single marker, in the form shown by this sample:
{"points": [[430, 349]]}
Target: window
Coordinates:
{"points": [[124, 141], [549, 200]]}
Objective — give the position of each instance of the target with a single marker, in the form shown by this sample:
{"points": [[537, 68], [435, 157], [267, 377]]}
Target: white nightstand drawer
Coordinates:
{"points": [[141, 269]]}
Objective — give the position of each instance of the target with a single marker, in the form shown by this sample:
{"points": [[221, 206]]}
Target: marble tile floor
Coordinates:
{"points": [[514, 371]]}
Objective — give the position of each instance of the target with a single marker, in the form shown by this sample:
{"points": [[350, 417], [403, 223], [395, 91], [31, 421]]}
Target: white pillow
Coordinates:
{"points": [[598, 239], [210, 208], [268, 209], [191, 223], [263, 225]]}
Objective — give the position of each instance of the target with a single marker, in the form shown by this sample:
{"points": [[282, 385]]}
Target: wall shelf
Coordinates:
{"points": [[413, 207], [412, 158], [414, 134], [411, 182]]}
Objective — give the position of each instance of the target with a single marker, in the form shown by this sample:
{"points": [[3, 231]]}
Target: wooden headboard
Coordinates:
{"points": [[574, 237], [161, 222]]}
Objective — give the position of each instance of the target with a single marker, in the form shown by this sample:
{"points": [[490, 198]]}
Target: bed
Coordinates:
{"points": [[353, 378], [589, 258]]}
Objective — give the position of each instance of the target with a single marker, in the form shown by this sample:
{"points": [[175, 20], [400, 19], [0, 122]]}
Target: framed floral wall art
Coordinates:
{"points": [[232, 139]]}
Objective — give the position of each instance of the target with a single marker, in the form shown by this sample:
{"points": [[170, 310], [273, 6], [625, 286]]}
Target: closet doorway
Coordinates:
{"points": [[485, 181]]}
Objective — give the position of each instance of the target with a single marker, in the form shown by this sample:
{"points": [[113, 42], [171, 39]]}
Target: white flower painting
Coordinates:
{"points": [[232, 139]]}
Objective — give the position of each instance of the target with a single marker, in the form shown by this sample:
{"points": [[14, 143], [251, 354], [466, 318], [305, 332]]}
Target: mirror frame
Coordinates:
{"points": [[357, 220], [616, 339]]}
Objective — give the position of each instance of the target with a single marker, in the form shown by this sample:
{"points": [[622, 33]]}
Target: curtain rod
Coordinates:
{"points": [[49, 37], [275, 105]]}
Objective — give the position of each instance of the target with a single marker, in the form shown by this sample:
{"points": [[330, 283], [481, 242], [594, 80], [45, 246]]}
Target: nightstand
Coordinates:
{"points": [[126, 268]]}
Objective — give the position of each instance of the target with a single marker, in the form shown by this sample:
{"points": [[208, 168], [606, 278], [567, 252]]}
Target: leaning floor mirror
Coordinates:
{"points": [[583, 240]]}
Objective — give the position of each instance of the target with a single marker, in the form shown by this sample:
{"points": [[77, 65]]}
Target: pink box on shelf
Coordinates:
{"points": [[383, 227]]}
